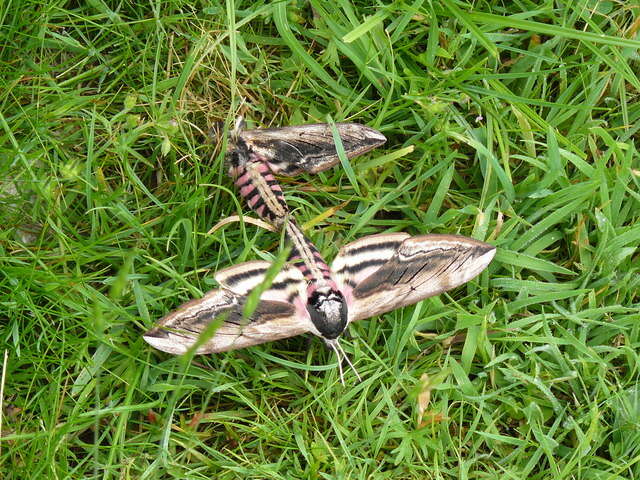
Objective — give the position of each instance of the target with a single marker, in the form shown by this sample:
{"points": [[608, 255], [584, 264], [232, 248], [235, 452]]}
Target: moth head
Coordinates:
{"points": [[238, 149], [238, 153], [328, 310], [216, 131]]}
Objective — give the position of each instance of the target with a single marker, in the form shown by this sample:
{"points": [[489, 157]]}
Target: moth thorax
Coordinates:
{"points": [[328, 310]]}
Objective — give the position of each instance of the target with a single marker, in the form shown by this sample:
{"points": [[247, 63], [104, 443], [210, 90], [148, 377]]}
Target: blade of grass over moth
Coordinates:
{"points": [[344, 161], [254, 297]]}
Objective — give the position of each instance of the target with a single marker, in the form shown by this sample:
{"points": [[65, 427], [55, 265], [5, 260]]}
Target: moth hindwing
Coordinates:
{"points": [[279, 313]]}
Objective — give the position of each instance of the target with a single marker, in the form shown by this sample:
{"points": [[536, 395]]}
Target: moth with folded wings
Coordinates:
{"points": [[369, 276]]}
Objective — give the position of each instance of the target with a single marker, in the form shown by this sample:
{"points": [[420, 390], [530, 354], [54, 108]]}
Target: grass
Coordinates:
{"points": [[512, 122]]}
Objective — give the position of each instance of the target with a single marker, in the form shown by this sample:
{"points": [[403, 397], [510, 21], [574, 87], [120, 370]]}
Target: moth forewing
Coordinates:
{"points": [[279, 312], [310, 148], [421, 267], [270, 321], [178, 331]]}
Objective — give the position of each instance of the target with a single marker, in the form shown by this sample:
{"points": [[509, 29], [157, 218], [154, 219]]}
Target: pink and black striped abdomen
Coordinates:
{"points": [[263, 194], [261, 191], [318, 262], [307, 258]]}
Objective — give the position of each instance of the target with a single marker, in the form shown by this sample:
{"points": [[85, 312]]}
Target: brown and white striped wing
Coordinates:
{"points": [[288, 285], [380, 273], [310, 148], [357, 260], [280, 313]]}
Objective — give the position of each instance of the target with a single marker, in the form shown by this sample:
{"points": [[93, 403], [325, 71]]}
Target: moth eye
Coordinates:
{"points": [[317, 317]]}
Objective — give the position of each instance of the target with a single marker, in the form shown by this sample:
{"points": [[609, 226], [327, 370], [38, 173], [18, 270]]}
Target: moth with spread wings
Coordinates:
{"points": [[374, 274]]}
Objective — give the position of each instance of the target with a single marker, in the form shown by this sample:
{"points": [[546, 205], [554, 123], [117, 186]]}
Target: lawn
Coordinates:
{"points": [[515, 123]]}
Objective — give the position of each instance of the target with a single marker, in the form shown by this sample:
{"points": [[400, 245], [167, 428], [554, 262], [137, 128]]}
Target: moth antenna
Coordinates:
{"points": [[346, 357], [333, 344]]}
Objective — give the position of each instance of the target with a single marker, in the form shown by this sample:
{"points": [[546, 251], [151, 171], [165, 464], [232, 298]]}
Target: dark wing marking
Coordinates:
{"points": [[420, 267], [310, 148], [281, 312]]}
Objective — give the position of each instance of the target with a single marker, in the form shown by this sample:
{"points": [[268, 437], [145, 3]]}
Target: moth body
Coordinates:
{"points": [[326, 304], [260, 189], [262, 193]]}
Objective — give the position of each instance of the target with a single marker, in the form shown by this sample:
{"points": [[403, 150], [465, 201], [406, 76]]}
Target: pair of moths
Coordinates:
{"points": [[370, 276]]}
